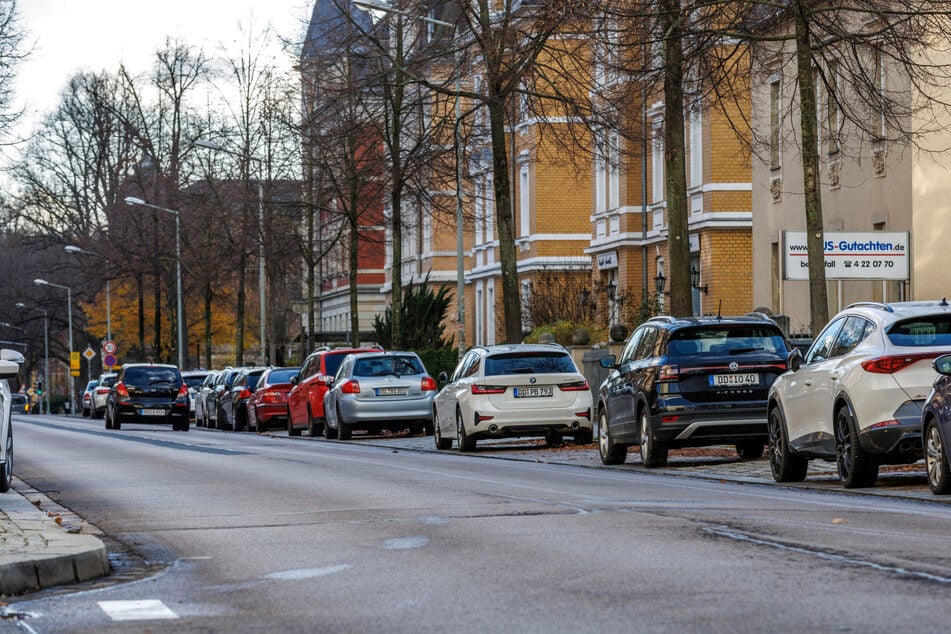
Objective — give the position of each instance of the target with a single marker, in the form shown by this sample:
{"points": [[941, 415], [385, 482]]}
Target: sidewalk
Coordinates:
{"points": [[37, 552]]}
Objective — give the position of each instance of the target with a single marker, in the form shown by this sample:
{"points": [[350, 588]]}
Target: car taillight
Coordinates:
{"points": [[428, 384], [102, 390], [183, 391], [669, 373], [271, 397], [487, 389], [244, 394], [576, 386], [323, 379], [121, 390], [893, 363], [350, 387]]}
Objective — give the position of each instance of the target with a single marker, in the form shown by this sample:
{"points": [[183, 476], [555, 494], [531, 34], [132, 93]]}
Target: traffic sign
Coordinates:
{"points": [[110, 360], [89, 353], [74, 361], [109, 347]]}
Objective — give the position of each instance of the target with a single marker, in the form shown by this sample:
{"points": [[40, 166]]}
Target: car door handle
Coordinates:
{"points": [[833, 377]]}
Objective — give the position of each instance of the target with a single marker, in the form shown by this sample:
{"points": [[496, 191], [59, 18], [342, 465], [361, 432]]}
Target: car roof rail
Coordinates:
{"points": [[879, 305], [320, 349], [668, 319], [759, 315]]}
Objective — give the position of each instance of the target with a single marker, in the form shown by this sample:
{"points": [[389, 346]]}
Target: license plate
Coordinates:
{"points": [[153, 412], [533, 391], [733, 380], [391, 391]]}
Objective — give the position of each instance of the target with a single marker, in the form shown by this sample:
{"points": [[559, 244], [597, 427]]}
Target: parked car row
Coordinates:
{"points": [[873, 388]]}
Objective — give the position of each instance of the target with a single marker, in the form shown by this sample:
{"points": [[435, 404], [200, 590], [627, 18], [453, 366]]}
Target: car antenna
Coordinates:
{"points": [[943, 302], [720, 309]]}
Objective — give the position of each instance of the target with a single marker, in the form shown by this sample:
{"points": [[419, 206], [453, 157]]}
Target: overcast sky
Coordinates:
{"points": [[73, 35]]}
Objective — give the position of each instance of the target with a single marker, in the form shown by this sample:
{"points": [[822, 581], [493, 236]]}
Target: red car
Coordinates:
{"points": [[305, 403], [267, 405]]}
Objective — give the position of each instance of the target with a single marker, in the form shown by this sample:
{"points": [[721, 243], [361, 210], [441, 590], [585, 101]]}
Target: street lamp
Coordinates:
{"points": [[262, 279], [69, 309], [133, 201], [384, 7], [74, 249], [46, 352]]}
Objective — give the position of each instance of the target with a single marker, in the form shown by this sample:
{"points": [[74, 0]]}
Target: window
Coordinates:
{"points": [[854, 331], [774, 122], [696, 146], [524, 202], [529, 363], [600, 194], [822, 347], [645, 348], [657, 165], [614, 181], [832, 110], [933, 330], [878, 81], [628, 353]]}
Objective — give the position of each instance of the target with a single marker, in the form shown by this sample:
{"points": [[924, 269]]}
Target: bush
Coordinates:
{"points": [[439, 360], [563, 331]]}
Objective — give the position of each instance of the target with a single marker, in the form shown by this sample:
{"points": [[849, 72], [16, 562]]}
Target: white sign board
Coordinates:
{"points": [[850, 255]]}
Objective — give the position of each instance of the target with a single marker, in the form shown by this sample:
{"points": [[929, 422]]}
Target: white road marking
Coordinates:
{"points": [[149, 609], [404, 543], [306, 573]]}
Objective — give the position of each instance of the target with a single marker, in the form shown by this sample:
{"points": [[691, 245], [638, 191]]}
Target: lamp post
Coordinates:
{"points": [[46, 352], [69, 310], [133, 201], [74, 249], [262, 275], [384, 7]]}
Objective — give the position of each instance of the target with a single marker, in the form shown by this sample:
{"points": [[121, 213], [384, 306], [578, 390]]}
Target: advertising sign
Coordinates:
{"points": [[850, 255]]}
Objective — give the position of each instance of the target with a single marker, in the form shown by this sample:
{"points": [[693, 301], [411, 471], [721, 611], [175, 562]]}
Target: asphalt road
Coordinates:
{"points": [[226, 532]]}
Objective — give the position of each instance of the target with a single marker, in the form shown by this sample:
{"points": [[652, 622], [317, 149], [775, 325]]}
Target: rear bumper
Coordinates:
{"points": [[271, 413], [699, 427], [357, 413], [127, 413]]}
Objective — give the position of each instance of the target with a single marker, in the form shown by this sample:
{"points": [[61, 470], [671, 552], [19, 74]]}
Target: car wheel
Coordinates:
{"points": [[584, 437], [6, 473], [343, 428], [611, 453], [749, 449], [463, 440], [185, 425], [108, 421], [856, 468], [936, 460], [653, 453], [554, 439], [314, 428], [241, 420], [329, 432], [441, 443], [428, 427], [784, 464], [291, 430]]}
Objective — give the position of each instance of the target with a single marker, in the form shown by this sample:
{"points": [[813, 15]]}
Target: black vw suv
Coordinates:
{"points": [[690, 382]]}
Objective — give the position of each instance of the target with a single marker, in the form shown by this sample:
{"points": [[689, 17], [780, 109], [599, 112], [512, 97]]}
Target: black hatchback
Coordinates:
{"points": [[148, 393], [690, 382]]}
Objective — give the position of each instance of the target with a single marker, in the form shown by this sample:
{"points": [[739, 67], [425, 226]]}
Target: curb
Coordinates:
{"points": [[36, 552]]}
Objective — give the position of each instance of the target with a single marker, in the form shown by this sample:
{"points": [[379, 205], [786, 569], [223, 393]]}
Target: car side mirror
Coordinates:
{"points": [[294, 380], [443, 377], [608, 362], [943, 364], [794, 359]]}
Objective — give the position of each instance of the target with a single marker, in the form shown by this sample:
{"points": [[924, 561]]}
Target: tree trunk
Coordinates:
{"points": [[207, 319], [505, 224], [240, 311], [675, 167], [354, 268], [815, 239]]}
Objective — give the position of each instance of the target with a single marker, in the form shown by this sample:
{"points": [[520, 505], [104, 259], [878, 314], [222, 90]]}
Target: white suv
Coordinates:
{"points": [[9, 369], [857, 396], [511, 391]]}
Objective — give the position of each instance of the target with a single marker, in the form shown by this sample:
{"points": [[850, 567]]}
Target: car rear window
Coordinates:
{"points": [[18, 398], [726, 340], [529, 363], [333, 361], [931, 330], [385, 366], [108, 381], [151, 376], [193, 381], [282, 376]]}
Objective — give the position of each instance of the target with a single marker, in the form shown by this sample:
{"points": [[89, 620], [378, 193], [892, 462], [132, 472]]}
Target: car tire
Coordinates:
{"points": [[314, 428], [6, 472], [240, 420], [343, 427], [653, 453], [749, 450], [465, 442], [584, 437], [108, 421], [611, 453], [783, 463], [329, 432], [291, 430], [554, 439], [428, 428], [441, 443], [185, 425], [936, 460], [856, 468]]}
